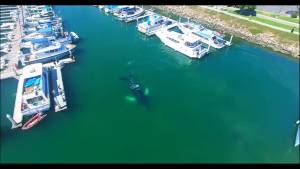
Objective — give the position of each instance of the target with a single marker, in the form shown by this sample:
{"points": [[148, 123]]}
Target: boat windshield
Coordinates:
{"points": [[218, 40], [192, 45]]}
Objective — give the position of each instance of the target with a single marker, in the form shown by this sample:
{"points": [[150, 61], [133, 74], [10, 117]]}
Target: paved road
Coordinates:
{"points": [[245, 18], [268, 17], [280, 9]]}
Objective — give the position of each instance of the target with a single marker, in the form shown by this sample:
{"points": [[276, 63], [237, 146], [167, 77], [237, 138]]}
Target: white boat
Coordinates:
{"points": [[117, 11], [109, 8], [187, 44], [7, 26], [32, 92], [100, 6], [131, 14], [207, 36], [74, 36], [106, 10], [297, 140], [153, 23], [43, 51]]}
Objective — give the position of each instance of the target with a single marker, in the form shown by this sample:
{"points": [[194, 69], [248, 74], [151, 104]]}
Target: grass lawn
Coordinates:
{"points": [[255, 31], [273, 23]]}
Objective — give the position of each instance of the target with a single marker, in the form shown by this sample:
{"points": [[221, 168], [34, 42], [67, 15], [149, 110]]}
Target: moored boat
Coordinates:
{"points": [[131, 14], [187, 44], [33, 121], [152, 23], [74, 36], [209, 37]]}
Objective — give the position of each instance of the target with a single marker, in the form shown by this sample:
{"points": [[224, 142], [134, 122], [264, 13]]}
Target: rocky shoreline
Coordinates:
{"points": [[266, 39]]}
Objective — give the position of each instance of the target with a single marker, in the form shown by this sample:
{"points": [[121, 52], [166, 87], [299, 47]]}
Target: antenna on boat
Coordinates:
{"points": [[13, 122]]}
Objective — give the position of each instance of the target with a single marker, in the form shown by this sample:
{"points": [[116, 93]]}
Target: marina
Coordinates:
{"points": [[37, 44], [150, 23], [132, 99]]}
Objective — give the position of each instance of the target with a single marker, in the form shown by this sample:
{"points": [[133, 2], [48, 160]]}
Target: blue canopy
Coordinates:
{"points": [[40, 40], [45, 30]]}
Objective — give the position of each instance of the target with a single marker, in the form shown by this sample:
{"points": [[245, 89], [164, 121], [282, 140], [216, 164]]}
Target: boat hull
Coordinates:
{"points": [[183, 50], [50, 58], [33, 121]]}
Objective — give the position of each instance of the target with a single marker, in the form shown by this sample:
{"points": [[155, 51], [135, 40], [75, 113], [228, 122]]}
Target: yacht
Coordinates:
{"points": [[131, 14], [32, 92], [118, 10], [297, 140], [109, 8], [100, 6], [43, 50], [74, 36], [207, 36], [153, 23], [188, 44]]}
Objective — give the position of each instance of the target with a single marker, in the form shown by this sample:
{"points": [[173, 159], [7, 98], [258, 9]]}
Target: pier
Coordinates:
{"points": [[9, 69], [58, 92], [58, 89], [12, 57]]}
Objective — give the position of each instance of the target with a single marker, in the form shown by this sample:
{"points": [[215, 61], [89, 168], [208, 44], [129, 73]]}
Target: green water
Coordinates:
{"points": [[236, 105]]}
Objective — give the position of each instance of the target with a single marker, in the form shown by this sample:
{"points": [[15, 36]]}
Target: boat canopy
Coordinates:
{"points": [[45, 30], [40, 40]]}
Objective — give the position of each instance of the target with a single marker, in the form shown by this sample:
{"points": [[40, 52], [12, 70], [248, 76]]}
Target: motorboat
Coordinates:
{"points": [[153, 23], [33, 93], [74, 36], [187, 44], [109, 8], [118, 10], [131, 14], [209, 37], [34, 120], [43, 50], [297, 139]]}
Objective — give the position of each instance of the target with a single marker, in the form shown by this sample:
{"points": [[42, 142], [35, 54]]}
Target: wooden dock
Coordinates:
{"points": [[58, 92], [58, 89]]}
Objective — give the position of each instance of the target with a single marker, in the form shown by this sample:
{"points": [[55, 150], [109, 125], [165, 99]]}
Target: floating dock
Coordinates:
{"points": [[58, 92], [18, 116], [58, 89]]}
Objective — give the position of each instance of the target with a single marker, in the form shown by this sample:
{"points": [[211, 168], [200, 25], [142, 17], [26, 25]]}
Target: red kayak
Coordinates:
{"points": [[33, 121]]}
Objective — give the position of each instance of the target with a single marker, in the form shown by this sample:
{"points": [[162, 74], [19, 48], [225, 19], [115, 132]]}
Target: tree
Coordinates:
{"points": [[248, 10], [247, 7]]}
